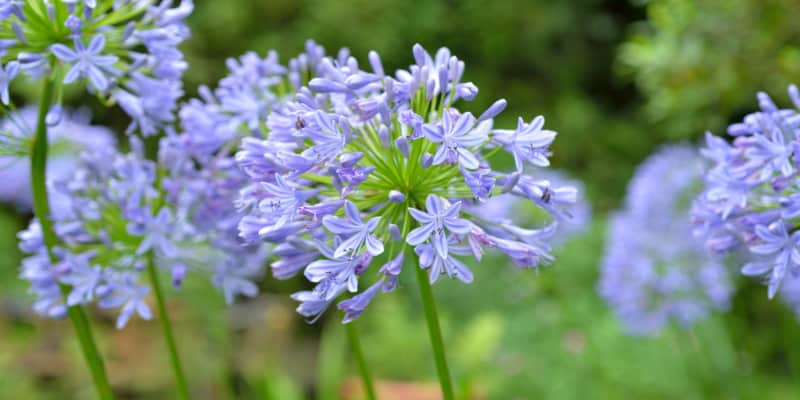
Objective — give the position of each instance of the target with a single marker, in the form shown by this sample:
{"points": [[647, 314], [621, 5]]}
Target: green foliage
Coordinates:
{"points": [[699, 62]]}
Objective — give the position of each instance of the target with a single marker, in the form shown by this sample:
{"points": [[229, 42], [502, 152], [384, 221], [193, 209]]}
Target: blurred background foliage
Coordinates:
{"points": [[614, 78]]}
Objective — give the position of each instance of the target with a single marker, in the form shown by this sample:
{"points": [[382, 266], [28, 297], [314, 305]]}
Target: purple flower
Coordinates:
{"points": [[328, 140], [87, 62], [439, 215], [293, 257], [378, 144], [354, 306], [750, 197], [313, 303], [155, 232], [527, 143], [339, 271], [357, 229], [654, 271], [128, 296], [393, 266], [774, 241], [451, 266], [455, 137], [236, 278], [150, 103], [282, 202], [83, 279], [557, 200]]}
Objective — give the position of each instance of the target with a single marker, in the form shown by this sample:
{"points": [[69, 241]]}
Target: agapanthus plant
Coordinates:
{"points": [[360, 166], [751, 198], [124, 51], [119, 214], [654, 271], [70, 133]]}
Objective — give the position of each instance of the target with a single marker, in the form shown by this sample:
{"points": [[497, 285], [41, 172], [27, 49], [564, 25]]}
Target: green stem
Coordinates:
{"points": [[434, 331], [358, 354], [41, 207], [166, 327]]}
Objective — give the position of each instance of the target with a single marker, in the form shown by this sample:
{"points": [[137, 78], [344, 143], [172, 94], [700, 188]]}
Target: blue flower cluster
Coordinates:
{"points": [[70, 133], [751, 199], [654, 271], [359, 164], [117, 213], [126, 51]]}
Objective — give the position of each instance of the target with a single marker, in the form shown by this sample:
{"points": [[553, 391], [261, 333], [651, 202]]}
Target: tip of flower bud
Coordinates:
{"points": [[402, 145], [53, 116], [496, 108], [427, 160], [375, 62], [419, 54], [794, 95], [394, 233], [396, 196]]}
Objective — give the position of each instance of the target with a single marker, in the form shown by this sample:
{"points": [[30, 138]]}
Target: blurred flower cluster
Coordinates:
{"points": [[71, 134], [654, 271], [115, 215]]}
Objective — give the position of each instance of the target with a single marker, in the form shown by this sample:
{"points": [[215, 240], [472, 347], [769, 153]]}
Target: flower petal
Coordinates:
{"points": [[421, 234]]}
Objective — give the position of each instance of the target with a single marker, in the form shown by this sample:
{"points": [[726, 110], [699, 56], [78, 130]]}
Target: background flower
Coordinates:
{"points": [[654, 271], [70, 134]]}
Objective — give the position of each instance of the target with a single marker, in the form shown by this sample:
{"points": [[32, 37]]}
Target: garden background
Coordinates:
{"points": [[616, 79]]}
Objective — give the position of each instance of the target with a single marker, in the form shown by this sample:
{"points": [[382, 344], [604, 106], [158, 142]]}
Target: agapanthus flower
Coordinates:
{"points": [[654, 271], [70, 133], [751, 198], [88, 62], [118, 212], [565, 196], [359, 165], [127, 51]]}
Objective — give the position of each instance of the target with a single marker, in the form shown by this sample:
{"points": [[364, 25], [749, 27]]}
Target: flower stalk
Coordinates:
{"points": [[41, 207], [358, 354], [166, 327], [435, 332]]}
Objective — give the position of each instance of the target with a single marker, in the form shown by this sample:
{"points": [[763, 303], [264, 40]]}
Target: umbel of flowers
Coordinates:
{"points": [[117, 215], [126, 51], [751, 199], [654, 271], [361, 163]]}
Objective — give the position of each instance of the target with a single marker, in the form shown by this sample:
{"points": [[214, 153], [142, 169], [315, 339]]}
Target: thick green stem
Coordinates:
{"points": [[166, 328], [41, 207], [434, 331], [358, 354]]}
